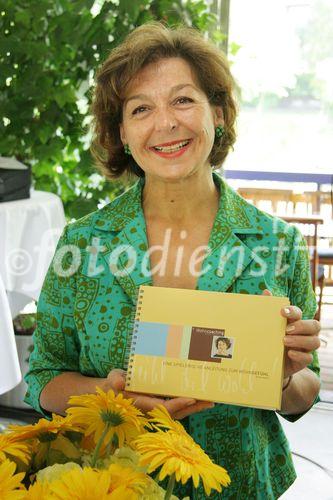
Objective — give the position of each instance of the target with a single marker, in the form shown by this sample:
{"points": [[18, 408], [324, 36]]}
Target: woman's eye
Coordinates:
{"points": [[185, 99], [182, 100], [137, 110]]}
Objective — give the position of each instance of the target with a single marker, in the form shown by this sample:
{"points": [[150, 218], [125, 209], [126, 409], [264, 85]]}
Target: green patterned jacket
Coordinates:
{"points": [[84, 322]]}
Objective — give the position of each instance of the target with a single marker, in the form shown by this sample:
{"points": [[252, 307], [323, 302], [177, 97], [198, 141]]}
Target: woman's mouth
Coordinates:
{"points": [[172, 151]]}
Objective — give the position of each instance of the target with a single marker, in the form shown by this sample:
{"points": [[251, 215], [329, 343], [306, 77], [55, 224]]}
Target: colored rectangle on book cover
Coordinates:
{"points": [[202, 343], [186, 339], [174, 341], [151, 338]]}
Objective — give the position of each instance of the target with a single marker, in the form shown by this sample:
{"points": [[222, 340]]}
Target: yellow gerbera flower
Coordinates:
{"points": [[178, 454], [11, 487], [38, 491], [86, 484], [42, 428], [56, 471], [9, 446], [161, 419], [127, 482], [94, 412], [45, 435]]}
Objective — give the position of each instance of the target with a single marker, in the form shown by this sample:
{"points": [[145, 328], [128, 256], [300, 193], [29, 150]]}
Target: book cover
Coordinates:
{"points": [[212, 346]]}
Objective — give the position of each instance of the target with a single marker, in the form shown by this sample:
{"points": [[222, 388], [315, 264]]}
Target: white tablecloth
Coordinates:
{"points": [[10, 373], [29, 231]]}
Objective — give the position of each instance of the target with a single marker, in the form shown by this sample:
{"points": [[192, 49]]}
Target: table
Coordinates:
{"points": [[10, 373], [29, 232]]}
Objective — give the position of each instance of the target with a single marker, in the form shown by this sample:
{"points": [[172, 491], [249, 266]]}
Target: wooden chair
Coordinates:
{"points": [[267, 199], [317, 269], [311, 238], [307, 224], [325, 258]]}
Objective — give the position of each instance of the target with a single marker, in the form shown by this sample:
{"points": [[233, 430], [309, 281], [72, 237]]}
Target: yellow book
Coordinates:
{"points": [[212, 346]]}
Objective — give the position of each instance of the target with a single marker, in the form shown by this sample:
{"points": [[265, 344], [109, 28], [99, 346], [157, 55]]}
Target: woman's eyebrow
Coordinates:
{"points": [[173, 89]]}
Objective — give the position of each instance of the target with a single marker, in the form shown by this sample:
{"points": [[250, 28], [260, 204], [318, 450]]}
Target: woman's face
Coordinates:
{"points": [[164, 104], [221, 346]]}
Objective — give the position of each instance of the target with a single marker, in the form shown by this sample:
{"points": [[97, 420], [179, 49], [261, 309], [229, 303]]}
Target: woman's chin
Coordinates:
{"points": [[173, 172]]}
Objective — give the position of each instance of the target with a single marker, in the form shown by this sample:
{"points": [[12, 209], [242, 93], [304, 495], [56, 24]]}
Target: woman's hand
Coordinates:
{"points": [[302, 337], [177, 407]]}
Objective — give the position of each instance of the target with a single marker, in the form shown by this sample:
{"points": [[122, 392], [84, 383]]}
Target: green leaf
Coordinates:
{"points": [[129, 8], [65, 95], [81, 207], [22, 17]]}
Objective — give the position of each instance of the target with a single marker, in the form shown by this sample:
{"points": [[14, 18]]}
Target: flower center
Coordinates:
{"points": [[183, 449], [112, 418], [45, 437]]}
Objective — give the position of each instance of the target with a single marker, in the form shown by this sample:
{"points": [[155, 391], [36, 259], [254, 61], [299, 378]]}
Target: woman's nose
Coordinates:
{"points": [[165, 120]]}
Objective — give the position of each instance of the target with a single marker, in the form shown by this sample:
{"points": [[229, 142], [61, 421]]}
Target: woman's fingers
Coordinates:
{"points": [[143, 402], [177, 407], [302, 358], [292, 313], [304, 327], [308, 343], [301, 339], [182, 407], [195, 408], [116, 380], [148, 403]]}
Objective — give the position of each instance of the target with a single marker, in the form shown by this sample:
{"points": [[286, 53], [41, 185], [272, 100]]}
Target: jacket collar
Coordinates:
{"points": [[232, 211], [124, 216]]}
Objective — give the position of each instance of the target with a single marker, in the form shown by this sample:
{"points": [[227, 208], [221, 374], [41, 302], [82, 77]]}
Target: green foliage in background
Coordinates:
{"points": [[49, 51]]}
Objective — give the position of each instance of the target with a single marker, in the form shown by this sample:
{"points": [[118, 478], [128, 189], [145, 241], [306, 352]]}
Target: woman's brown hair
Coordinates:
{"points": [[149, 43], [223, 339]]}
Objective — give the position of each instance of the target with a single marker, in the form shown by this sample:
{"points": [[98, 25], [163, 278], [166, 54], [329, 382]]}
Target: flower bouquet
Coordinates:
{"points": [[104, 448]]}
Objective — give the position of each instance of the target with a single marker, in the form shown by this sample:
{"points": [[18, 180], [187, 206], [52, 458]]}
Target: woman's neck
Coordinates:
{"points": [[180, 202]]}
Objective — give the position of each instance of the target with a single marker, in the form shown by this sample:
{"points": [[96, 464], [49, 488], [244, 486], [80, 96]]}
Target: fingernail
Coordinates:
{"points": [[287, 310], [290, 328]]}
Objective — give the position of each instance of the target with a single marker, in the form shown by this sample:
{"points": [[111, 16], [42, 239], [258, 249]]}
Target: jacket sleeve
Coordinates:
{"points": [[56, 345], [301, 294]]}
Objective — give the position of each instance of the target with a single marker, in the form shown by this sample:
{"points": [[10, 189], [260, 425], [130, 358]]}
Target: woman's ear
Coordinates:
{"points": [[122, 133], [218, 115]]}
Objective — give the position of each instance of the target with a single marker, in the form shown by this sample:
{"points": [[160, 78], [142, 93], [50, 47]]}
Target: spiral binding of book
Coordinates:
{"points": [[129, 355]]}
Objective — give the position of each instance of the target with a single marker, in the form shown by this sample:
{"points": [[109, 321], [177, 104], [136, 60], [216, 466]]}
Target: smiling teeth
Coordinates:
{"points": [[171, 149]]}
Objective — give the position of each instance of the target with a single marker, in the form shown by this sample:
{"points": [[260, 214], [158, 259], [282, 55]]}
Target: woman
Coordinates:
{"points": [[164, 111], [222, 345]]}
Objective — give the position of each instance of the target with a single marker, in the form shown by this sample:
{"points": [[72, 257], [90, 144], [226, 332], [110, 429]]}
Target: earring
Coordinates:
{"points": [[219, 131], [127, 149]]}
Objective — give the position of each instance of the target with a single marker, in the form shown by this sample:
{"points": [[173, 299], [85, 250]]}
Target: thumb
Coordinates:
{"points": [[267, 293], [117, 379]]}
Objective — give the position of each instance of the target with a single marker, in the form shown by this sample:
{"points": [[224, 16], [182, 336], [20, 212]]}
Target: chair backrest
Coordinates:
{"points": [[270, 200], [295, 208]]}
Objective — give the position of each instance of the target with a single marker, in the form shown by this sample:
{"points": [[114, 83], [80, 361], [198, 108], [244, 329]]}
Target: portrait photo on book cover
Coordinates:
{"points": [[210, 344], [222, 347]]}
